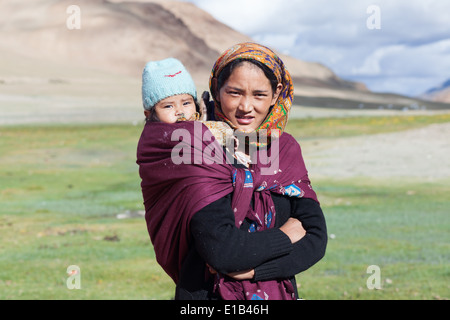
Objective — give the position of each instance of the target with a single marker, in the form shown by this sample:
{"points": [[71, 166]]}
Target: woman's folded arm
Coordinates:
{"points": [[227, 248], [306, 252]]}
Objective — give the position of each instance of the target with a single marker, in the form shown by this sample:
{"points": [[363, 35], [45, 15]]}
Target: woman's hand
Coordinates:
{"points": [[240, 275], [203, 106], [293, 228], [211, 269]]}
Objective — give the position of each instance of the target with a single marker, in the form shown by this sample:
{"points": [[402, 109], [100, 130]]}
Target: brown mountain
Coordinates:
{"points": [[52, 71], [115, 37], [121, 36], [439, 94]]}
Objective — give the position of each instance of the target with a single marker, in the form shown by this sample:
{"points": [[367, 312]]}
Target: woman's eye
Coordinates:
{"points": [[233, 93]]}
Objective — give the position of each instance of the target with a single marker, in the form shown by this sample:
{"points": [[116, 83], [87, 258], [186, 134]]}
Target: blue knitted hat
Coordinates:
{"points": [[165, 78]]}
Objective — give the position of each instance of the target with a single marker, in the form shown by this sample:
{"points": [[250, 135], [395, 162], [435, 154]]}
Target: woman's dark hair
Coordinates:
{"points": [[229, 68], [154, 118]]}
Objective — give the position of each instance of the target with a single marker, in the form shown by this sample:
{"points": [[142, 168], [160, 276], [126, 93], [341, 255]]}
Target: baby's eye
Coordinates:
{"points": [[187, 103], [169, 106]]}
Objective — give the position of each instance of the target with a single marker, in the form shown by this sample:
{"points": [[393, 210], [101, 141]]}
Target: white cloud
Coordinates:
{"points": [[246, 16], [283, 42], [372, 63], [413, 41]]}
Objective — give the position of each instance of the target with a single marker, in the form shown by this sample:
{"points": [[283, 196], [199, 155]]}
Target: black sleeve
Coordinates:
{"points": [[306, 252], [229, 249]]}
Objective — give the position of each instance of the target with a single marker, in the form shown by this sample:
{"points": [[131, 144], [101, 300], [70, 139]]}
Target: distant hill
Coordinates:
{"points": [[117, 38], [439, 94], [121, 36]]}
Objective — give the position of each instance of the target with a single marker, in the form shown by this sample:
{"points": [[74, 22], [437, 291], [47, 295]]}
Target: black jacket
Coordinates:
{"points": [[227, 249]]}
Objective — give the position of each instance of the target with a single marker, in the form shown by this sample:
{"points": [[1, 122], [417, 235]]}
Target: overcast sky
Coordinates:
{"points": [[400, 46]]}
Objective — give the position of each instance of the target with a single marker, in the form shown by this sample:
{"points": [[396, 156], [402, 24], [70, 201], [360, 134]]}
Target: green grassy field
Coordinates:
{"points": [[61, 188]]}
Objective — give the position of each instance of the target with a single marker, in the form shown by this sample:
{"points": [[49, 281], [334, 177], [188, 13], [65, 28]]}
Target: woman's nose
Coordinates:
{"points": [[245, 104]]}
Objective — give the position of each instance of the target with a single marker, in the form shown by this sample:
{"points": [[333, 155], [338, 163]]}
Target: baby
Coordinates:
{"points": [[168, 92], [169, 95]]}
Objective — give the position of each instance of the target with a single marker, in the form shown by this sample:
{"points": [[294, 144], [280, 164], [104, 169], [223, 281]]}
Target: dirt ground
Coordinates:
{"points": [[421, 153]]}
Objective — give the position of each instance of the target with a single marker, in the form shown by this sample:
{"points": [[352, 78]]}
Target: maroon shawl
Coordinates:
{"points": [[173, 193]]}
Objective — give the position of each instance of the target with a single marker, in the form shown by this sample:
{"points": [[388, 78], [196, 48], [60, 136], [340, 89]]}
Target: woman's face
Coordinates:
{"points": [[247, 96]]}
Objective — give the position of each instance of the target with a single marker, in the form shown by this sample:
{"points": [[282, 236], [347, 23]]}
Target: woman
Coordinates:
{"points": [[198, 216]]}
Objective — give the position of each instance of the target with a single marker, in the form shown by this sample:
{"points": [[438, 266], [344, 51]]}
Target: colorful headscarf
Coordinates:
{"points": [[278, 116]]}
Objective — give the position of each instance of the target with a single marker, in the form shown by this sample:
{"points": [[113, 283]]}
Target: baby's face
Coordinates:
{"points": [[174, 107]]}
